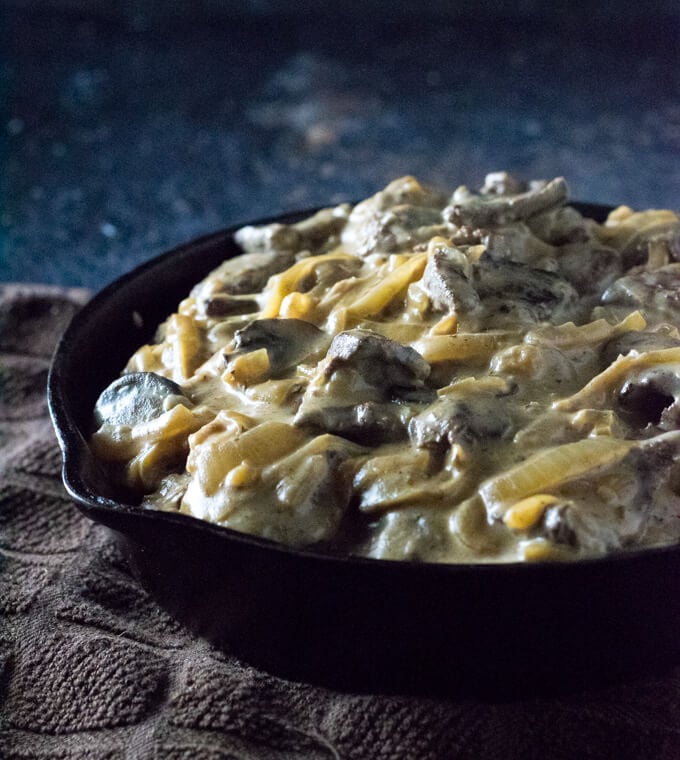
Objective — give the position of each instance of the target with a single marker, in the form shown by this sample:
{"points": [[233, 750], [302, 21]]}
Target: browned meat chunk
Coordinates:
{"points": [[402, 215], [244, 274], [365, 388], [589, 275], [369, 423], [447, 281], [657, 291], [534, 294], [317, 234], [385, 364], [464, 420], [493, 210], [224, 305], [651, 399], [636, 341]]}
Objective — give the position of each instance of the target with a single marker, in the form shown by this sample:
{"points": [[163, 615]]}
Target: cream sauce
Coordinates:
{"points": [[426, 377]]}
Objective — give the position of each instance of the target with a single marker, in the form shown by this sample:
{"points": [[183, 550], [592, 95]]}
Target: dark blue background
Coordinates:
{"points": [[128, 128]]}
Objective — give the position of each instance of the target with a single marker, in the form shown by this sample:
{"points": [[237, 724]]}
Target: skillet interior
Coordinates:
{"points": [[353, 623]]}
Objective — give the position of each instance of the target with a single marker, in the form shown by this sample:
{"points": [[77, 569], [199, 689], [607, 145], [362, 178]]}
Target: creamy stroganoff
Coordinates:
{"points": [[471, 377]]}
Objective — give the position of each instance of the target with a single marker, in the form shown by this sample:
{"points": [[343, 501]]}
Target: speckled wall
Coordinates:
{"points": [[125, 130]]}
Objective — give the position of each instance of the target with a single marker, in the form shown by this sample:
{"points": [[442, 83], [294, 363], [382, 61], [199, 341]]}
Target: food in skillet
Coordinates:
{"points": [[481, 377]]}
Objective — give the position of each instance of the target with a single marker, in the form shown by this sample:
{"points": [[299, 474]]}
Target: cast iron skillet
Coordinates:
{"points": [[353, 623]]}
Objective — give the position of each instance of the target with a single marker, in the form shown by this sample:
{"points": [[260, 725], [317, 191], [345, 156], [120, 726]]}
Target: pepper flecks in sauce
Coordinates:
{"points": [[481, 377]]}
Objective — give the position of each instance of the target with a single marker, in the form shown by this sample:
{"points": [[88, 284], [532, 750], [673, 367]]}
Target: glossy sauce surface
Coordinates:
{"points": [[474, 377]]}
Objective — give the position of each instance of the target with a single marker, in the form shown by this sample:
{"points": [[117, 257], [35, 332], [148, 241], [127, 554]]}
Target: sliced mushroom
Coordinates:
{"points": [[288, 342], [135, 398]]}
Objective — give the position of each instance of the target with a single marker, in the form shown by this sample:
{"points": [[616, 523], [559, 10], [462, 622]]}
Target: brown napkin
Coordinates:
{"points": [[91, 668]]}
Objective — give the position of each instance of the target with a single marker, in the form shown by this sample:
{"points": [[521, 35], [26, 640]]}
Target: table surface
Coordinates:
{"points": [[123, 136], [91, 668]]}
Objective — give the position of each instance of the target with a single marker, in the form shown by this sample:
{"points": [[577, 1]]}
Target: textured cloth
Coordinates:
{"points": [[91, 667]]}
